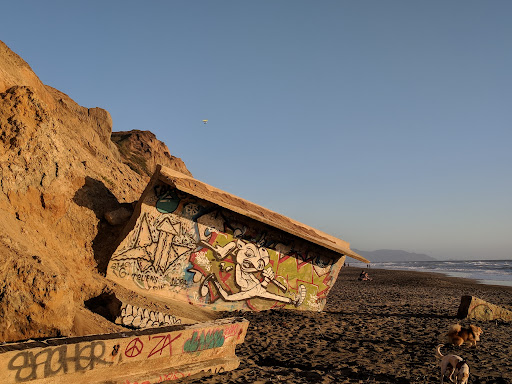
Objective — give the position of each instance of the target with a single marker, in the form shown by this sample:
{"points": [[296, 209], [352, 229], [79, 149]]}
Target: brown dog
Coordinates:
{"points": [[459, 335]]}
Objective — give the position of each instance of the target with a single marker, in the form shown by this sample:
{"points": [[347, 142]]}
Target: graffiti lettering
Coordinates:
{"points": [[211, 339], [176, 375], [173, 376], [177, 282], [56, 360], [165, 341], [173, 281], [215, 370], [157, 287], [121, 269], [145, 277], [115, 350], [231, 331]]}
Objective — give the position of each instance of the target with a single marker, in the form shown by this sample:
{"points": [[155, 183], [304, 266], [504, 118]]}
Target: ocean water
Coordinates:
{"points": [[495, 272]]}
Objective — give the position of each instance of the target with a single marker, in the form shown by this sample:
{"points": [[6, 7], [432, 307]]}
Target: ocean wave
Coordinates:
{"points": [[488, 271]]}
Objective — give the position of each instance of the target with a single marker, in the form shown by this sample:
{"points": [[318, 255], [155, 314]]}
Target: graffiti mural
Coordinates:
{"points": [[137, 317], [48, 362], [185, 248], [249, 260], [176, 351]]}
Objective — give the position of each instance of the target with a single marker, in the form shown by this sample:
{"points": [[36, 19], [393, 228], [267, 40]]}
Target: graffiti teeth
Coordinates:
{"points": [[127, 320], [144, 323], [137, 321]]}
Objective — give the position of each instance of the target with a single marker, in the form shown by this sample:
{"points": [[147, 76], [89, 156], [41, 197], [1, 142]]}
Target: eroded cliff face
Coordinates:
{"points": [[60, 173], [142, 152]]}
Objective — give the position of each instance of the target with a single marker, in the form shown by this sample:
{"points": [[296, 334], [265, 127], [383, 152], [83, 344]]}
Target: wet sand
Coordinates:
{"points": [[379, 331]]}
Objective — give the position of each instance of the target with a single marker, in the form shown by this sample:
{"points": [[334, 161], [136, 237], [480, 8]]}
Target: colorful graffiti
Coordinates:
{"points": [[252, 275], [177, 351], [208, 340], [195, 251]]}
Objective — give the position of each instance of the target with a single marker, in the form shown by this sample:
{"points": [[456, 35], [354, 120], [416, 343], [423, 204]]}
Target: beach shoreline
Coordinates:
{"points": [[379, 331], [489, 272]]}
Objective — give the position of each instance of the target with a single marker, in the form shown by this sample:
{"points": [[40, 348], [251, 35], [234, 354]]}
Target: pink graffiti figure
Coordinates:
{"points": [[249, 259]]}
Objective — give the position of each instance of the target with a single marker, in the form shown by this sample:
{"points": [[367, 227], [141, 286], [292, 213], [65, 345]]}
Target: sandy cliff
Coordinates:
{"points": [[60, 174]]}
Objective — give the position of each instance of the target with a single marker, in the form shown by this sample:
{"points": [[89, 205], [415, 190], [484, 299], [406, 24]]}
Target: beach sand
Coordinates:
{"points": [[379, 331]]}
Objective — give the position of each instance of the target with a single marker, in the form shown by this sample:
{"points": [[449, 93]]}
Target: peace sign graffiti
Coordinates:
{"points": [[134, 348]]}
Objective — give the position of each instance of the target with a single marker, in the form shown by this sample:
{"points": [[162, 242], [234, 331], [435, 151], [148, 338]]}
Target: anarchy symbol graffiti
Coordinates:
{"points": [[134, 348]]}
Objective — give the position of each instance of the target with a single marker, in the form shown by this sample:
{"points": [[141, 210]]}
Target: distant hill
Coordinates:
{"points": [[382, 255]]}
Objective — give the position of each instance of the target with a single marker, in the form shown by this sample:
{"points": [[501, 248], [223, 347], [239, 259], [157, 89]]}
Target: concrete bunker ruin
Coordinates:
{"points": [[190, 242], [143, 356], [187, 243]]}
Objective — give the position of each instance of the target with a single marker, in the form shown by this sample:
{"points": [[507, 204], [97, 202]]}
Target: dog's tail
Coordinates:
{"points": [[454, 329], [439, 355]]}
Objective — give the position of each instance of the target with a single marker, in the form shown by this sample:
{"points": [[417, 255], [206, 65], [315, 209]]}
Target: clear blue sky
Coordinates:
{"points": [[384, 123]]}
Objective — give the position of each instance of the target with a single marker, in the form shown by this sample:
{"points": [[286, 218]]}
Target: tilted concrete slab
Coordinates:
{"points": [[146, 356], [472, 307], [190, 242], [236, 204]]}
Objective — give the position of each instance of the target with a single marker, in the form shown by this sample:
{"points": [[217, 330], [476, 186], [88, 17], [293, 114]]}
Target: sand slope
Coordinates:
{"points": [[383, 331]]}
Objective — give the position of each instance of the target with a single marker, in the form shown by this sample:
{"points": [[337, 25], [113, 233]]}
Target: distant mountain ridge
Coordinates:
{"points": [[382, 255]]}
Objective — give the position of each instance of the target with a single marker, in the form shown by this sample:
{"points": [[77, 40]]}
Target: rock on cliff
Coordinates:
{"points": [[141, 151], [60, 173]]}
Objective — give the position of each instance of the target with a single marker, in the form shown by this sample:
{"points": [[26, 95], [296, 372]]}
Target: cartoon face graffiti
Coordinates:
{"points": [[250, 257]]}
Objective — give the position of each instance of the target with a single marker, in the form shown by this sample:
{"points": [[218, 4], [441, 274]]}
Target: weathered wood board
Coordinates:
{"points": [[145, 356]]}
